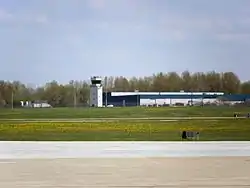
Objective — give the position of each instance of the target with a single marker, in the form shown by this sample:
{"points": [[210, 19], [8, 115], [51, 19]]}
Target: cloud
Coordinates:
{"points": [[116, 8], [140, 18], [146, 22], [209, 26], [241, 37], [96, 4], [8, 17], [41, 19], [193, 23], [149, 21], [5, 16]]}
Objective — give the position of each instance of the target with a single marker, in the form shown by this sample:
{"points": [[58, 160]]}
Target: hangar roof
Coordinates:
{"points": [[165, 93]]}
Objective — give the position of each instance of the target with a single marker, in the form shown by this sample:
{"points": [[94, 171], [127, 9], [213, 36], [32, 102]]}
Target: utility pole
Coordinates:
{"points": [[106, 91], [12, 99], [74, 93], [74, 98], [221, 81]]}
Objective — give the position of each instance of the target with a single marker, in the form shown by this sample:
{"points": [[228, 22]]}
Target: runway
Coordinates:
{"points": [[124, 164], [127, 173], [52, 150]]}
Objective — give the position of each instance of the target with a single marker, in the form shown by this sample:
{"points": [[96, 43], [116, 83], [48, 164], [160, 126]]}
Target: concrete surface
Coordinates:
{"points": [[203, 172], [124, 164], [24, 150]]}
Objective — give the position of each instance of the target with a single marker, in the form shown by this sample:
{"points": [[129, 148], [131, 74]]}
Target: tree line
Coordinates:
{"points": [[77, 92]]}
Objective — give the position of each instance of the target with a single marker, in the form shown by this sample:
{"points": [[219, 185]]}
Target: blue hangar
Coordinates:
{"points": [[168, 98]]}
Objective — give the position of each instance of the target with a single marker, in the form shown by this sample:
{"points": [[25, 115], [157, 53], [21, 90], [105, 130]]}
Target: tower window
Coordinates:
{"points": [[96, 81]]}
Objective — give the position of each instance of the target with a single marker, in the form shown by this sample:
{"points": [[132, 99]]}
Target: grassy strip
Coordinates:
{"points": [[138, 112], [213, 130]]}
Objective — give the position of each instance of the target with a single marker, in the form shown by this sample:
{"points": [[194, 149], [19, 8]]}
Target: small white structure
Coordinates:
{"points": [[41, 104], [25, 104], [96, 92], [35, 104]]}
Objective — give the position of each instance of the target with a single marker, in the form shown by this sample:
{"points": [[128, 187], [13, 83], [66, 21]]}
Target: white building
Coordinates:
{"points": [[38, 104], [35, 104], [95, 99]]}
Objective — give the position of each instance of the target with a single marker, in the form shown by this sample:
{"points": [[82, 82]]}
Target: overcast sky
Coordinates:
{"points": [[44, 40]]}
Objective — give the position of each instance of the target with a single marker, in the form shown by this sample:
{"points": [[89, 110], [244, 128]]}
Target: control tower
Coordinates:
{"points": [[95, 99]]}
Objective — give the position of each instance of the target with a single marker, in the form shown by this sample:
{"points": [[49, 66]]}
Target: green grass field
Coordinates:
{"points": [[137, 112], [211, 130], [12, 129]]}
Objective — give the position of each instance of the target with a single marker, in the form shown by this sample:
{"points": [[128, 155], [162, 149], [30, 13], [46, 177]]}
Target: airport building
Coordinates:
{"points": [[98, 98], [171, 98], [160, 98]]}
